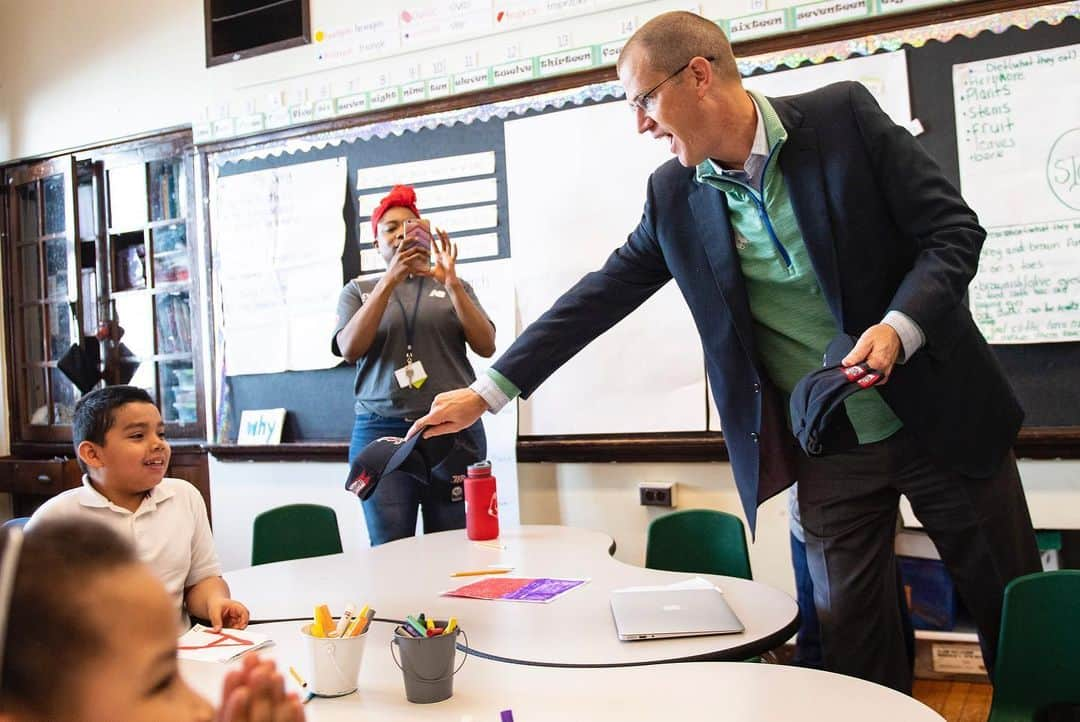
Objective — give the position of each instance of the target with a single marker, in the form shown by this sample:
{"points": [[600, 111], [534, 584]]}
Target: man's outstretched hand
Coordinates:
{"points": [[451, 411]]}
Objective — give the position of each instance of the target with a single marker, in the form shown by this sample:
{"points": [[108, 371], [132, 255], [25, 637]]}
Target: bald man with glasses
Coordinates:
{"points": [[785, 222]]}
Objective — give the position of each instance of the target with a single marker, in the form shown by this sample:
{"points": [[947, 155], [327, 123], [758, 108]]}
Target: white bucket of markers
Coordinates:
{"points": [[333, 663]]}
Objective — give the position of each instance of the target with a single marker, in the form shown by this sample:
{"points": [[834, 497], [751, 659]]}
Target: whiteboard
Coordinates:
{"points": [[1019, 153], [576, 182]]}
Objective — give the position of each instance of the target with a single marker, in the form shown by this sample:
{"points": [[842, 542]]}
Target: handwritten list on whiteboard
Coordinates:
{"points": [[1018, 139]]}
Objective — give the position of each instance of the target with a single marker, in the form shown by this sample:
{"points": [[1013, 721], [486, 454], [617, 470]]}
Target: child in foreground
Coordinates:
{"points": [[88, 633]]}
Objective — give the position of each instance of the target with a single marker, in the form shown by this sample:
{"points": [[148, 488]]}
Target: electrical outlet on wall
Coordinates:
{"points": [[657, 493]]}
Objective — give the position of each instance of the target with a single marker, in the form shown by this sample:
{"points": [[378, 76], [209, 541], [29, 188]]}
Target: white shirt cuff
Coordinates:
{"points": [[495, 398], [911, 336]]}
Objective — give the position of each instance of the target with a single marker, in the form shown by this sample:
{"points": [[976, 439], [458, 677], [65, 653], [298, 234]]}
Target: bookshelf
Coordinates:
{"points": [[150, 277], [100, 259]]}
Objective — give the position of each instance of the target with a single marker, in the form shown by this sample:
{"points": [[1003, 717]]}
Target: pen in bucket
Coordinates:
{"points": [[347, 618]]}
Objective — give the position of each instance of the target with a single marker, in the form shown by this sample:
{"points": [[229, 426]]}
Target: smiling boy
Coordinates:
{"points": [[119, 439]]}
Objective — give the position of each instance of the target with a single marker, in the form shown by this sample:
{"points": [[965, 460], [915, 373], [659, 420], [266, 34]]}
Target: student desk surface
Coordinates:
{"points": [[483, 688], [407, 577]]}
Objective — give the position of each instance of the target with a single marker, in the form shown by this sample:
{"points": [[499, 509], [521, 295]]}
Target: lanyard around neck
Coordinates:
{"points": [[410, 322]]}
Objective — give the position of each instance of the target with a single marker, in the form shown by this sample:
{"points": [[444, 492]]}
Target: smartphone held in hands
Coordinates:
{"points": [[418, 231]]}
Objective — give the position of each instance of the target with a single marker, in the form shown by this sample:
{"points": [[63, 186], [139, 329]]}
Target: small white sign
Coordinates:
{"points": [[957, 659], [261, 426]]}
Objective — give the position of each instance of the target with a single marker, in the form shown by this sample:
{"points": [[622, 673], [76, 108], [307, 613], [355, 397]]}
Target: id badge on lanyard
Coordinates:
{"points": [[412, 373]]}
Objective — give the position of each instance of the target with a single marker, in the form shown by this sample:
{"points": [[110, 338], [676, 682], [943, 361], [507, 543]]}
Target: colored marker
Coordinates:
{"points": [[415, 624], [450, 626], [362, 623], [347, 618], [324, 621]]}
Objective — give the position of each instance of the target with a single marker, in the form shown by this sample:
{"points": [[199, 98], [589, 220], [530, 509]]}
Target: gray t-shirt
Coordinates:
{"points": [[438, 343]]}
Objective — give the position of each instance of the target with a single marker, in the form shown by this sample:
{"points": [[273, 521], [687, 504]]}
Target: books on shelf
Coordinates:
{"points": [[174, 323]]}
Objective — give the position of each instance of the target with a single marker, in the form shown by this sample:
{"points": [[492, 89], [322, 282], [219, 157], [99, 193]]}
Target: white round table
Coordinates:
{"points": [[408, 576], [686, 692]]}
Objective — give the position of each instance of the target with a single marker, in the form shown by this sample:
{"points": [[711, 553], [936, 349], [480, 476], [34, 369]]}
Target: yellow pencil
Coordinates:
{"points": [[481, 572]]}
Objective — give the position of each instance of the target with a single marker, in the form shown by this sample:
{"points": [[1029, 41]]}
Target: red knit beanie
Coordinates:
{"points": [[403, 196]]}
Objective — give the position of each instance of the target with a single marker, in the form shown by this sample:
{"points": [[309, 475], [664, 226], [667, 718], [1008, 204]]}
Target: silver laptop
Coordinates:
{"points": [[672, 613]]}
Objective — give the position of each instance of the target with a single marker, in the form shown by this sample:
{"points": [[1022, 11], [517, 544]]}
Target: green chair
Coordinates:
{"points": [[295, 531], [1038, 658], [700, 541]]}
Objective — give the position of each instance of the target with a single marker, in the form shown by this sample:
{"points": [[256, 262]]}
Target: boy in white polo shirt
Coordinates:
{"points": [[120, 442]]}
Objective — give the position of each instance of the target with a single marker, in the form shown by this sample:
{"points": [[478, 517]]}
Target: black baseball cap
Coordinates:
{"points": [[438, 458], [818, 418]]}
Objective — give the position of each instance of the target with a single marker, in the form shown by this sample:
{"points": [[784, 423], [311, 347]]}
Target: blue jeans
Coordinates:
{"points": [[392, 509], [808, 639]]}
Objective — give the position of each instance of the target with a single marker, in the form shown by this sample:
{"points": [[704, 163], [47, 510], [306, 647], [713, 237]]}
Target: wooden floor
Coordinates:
{"points": [[955, 701]]}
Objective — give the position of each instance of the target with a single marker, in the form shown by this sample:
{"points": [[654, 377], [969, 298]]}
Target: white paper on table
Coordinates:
{"points": [[202, 645]]}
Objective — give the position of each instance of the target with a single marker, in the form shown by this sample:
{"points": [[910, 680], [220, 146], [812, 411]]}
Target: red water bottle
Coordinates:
{"points": [[481, 504]]}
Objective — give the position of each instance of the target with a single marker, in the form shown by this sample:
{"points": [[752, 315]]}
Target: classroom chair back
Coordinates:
{"points": [[701, 541], [294, 531], [1038, 659]]}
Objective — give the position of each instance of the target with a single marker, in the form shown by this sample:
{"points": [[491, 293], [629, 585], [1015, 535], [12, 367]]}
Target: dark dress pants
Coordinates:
{"points": [[848, 504]]}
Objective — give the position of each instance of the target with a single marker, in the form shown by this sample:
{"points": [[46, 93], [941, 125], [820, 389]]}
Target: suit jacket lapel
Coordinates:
{"points": [[713, 227], [800, 162]]}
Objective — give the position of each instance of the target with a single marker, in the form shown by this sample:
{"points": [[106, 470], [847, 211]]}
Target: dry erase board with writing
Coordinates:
{"points": [[1046, 376]]}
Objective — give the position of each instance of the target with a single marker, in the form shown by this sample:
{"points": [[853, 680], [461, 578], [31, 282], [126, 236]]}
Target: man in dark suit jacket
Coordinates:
{"points": [[785, 221]]}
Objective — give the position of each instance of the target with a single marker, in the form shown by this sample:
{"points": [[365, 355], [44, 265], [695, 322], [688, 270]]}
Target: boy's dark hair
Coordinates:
{"points": [[49, 637], [95, 413]]}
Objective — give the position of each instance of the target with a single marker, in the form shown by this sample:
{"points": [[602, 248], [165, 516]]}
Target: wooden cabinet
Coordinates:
{"points": [[99, 277], [31, 481]]}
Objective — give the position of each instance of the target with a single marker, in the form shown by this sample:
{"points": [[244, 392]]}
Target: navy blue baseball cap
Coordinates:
{"points": [[437, 459], [818, 418]]}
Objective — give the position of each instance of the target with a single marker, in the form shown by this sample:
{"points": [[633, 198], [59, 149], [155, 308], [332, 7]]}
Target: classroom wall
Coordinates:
{"points": [[90, 72]]}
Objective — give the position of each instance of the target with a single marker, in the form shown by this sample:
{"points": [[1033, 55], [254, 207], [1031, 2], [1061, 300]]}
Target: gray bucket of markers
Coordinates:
{"points": [[427, 664]]}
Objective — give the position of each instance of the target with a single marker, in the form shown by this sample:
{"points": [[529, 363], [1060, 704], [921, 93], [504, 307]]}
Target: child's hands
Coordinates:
{"points": [[256, 693], [225, 612]]}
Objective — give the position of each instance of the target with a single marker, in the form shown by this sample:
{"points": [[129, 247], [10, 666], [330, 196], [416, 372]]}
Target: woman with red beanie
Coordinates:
{"points": [[407, 331]]}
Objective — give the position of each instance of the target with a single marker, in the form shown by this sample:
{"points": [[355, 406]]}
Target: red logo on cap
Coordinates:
{"points": [[360, 482]]}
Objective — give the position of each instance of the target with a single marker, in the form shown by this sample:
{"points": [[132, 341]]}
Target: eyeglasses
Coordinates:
{"points": [[645, 101], [8, 563]]}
